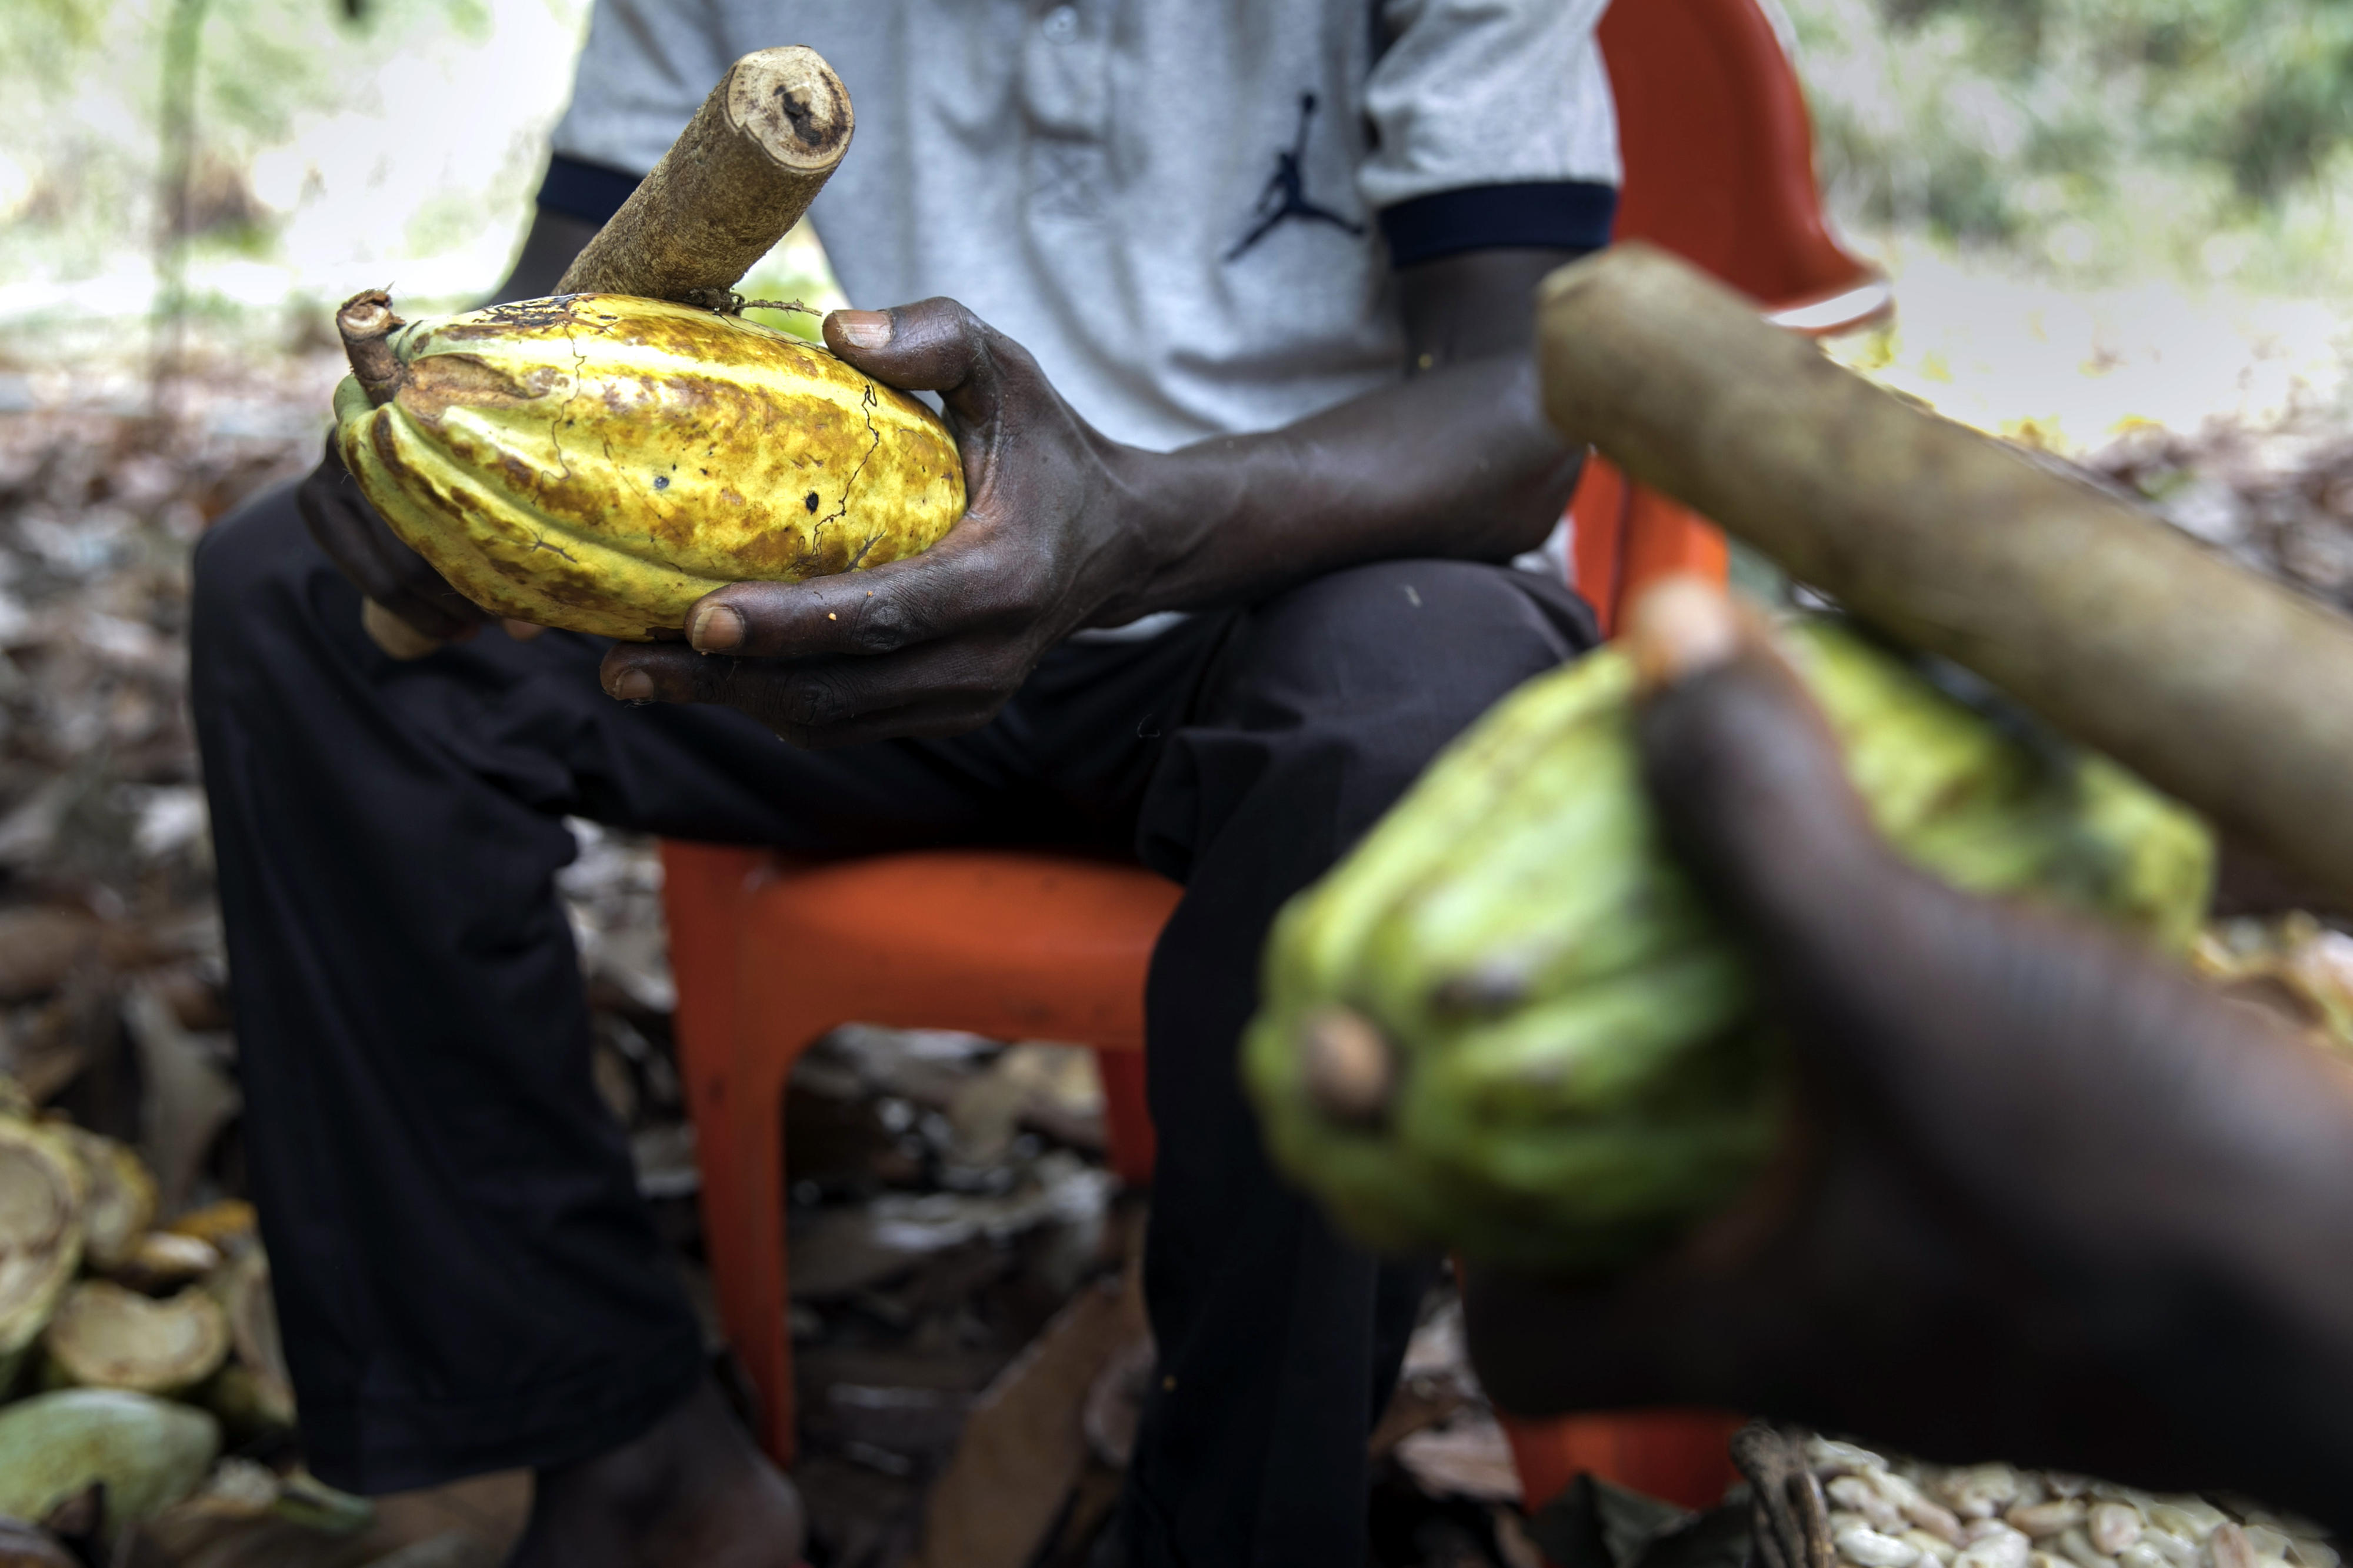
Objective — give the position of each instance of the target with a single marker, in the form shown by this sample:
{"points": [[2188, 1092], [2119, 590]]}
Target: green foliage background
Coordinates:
{"points": [[2087, 141], [82, 90], [2100, 139]]}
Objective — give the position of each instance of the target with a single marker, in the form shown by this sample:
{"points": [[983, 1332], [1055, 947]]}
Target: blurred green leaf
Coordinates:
{"points": [[2083, 131]]}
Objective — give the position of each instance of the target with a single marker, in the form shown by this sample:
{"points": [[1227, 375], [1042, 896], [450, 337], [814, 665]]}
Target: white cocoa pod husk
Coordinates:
{"points": [[2041, 1521], [1857, 1494], [2177, 1551], [1932, 1547], [2228, 1547], [1935, 1519], [2000, 1547], [2113, 1526], [1978, 1491], [1827, 1456], [2193, 1519], [1871, 1549], [1916, 1508], [1895, 1489], [2076, 1546]]}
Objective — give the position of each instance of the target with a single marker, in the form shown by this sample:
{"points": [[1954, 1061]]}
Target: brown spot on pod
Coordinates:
{"points": [[365, 323]]}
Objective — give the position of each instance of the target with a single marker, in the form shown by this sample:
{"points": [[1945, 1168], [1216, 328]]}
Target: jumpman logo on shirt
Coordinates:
{"points": [[1286, 190]]}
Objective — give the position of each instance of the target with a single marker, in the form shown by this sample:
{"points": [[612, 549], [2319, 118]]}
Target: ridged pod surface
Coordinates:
{"points": [[1554, 1051], [599, 462]]}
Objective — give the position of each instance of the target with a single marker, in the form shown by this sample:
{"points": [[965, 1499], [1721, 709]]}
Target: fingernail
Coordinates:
{"points": [[1684, 626], [864, 329], [634, 686], [716, 628]]}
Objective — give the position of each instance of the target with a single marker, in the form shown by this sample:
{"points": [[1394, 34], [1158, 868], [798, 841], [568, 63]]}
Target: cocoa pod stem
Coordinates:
{"points": [[2229, 690], [366, 323], [741, 173]]}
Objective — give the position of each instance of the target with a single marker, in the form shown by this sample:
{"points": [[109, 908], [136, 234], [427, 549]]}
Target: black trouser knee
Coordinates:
{"points": [[1280, 1342]]}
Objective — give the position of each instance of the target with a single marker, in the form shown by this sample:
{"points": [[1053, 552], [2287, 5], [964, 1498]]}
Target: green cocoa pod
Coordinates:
{"points": [[1507, 1023]]}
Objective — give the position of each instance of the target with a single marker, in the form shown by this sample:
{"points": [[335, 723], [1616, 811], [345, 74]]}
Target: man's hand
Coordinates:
{"points": [[935, 644], [1068, 529], [368, 552], [2048, 1200]]}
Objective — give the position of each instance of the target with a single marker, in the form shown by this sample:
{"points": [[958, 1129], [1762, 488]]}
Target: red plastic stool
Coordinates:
{"points": [[1011, 945]]}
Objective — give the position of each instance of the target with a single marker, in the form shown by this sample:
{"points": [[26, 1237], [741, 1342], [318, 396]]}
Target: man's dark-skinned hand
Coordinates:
{"points": [[358, 541], [1066, 529], [2049, 1200]]}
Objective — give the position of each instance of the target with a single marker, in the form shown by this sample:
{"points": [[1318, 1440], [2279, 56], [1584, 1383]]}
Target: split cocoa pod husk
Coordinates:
{"points": [[42, 1188], [104, 1336], [149, 1452], [119, 1199]]}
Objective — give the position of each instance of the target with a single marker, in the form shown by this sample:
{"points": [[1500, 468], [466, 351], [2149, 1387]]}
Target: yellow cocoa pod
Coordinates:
{"points": [[599, 462]]}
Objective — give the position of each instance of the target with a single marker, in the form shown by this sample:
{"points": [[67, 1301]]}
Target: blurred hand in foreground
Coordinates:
{"points": [[2045, 1199]]}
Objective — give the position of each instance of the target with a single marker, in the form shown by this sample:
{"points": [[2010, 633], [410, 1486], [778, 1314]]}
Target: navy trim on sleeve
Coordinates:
{"points": [[589, 192], [1551, 215]]}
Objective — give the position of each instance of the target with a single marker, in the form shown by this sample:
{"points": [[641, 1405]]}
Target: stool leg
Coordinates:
{"points": [[1682, 1455], [780, 1010], [1598, 525], [703, 888], [1127, 1117], [748, 1268]]}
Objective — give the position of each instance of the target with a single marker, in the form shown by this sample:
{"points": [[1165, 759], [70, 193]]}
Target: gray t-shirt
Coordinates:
{"points": [[1188, 210]]}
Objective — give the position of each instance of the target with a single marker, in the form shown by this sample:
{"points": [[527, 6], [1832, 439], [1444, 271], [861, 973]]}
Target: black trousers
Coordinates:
{"points": [[466, 1277]]}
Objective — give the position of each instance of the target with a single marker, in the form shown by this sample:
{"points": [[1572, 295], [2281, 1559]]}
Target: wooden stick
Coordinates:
{"points": [[738, 177], [741, 173], [2227, 689]]}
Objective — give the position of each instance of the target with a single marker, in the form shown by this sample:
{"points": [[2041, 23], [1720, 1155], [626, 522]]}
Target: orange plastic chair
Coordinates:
{"points": [[1009, 944], [1031, 945], [1719, 156]]}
